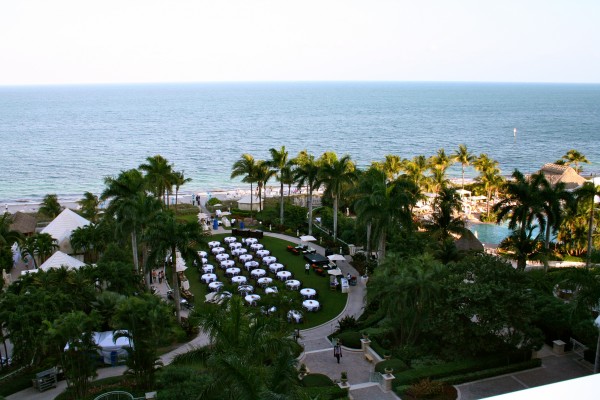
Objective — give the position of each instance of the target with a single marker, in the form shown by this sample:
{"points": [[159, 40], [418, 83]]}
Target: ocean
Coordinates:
{"points": [[66, 139]]}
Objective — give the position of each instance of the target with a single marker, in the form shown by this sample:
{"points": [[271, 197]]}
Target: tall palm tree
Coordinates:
{"points": [[464, 158], [278, 161], [307, 174], [489, 177], [392, 166], [7, 235], [159, 176], [336, 177], [129, 205], [50, 206], [89, 206], [554, 197], [440, 161], [287, 176], [246, 168], [446, 207], [586, 194], [523, 206], [166, 234], [573, 157], [381, 206], [415, 170], [262, 175], [179, 180], [39, 247]]}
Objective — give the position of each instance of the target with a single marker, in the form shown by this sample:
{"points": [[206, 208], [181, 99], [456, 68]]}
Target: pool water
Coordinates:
{"points": [[489, 233]]}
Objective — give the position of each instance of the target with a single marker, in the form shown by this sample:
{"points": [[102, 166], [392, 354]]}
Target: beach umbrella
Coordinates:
{"points": [[180, 265], [336, 257]]}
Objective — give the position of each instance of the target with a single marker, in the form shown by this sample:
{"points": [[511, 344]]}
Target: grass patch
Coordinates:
{"points": [[316, 380], [332, 303]]}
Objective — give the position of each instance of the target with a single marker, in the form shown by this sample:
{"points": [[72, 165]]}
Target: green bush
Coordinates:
{"points": [[346, 323], [20, 381], [460, 367], [350, 339], [488, 373], [316, 380], [326, 393], [212, 201], [396, 364]]}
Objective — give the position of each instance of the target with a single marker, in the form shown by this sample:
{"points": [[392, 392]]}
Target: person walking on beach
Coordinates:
{"points": [[337, 352], [307, 269]]}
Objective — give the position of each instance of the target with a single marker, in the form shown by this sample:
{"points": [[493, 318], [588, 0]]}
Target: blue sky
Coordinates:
{"points": [[83, 41]]}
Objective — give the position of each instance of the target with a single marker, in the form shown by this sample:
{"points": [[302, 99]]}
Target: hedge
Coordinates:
{"points": [[326, 393], [18, 382], [395, 363], [316, 380], [475, 376], [437, 372], [350, 339]]}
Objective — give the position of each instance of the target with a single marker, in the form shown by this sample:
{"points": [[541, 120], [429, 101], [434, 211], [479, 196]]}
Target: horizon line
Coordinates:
{"points": [[299, 81]]}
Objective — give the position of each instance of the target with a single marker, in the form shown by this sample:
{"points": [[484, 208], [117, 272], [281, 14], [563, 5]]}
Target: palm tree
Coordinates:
{"points": [[465, 158], [307, 174], [166, 234], [489, 177], [278, 161], [130, 206], [50, 206], [250, 355], [446, 205], [246, 167], [554, 197], [179, 180], [392, 166], [91, 240], [522, 206], [159, 176], [262, 175], [404, 293], [440, 161], [415, 170], [287, 176], [336, 177], [573, 157], [381, 206], [89, 206], [39, 247], [587, 194]]}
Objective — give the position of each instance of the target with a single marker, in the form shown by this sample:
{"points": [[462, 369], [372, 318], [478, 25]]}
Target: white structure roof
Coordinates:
{"points": [[246, 200], [60, 259], [63, 226]]}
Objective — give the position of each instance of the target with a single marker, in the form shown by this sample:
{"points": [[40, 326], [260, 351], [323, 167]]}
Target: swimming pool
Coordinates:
{"points": [[489, 233]]}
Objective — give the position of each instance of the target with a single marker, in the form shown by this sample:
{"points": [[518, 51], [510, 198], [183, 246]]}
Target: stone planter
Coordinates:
{"points": [[389, 371]]}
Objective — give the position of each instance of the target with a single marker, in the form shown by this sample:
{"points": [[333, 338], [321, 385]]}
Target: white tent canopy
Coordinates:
{"points": [[307, 238], [180, 264], [244, 203], [335, 272], [463, 192], [63, 226], [107, 345], [336, 257], [60, 259]]}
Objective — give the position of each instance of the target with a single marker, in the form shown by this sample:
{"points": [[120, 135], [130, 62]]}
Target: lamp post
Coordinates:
{"points": [[597, 363]]}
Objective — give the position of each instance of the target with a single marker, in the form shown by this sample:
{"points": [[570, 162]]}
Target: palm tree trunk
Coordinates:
{"points": [[463, 177], [175, 284], [176, 194], [368, 241], [335, 217], [281, 203], [310, 212], [382, 240], [251, 200], [489, 194], [134, 249], [546, 246], [588, 258]]}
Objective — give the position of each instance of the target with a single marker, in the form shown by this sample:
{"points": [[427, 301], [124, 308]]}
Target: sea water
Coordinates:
{"points": [[67, 139]]}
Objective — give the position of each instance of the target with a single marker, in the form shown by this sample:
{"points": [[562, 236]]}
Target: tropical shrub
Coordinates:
{"points": [[316, 380]]}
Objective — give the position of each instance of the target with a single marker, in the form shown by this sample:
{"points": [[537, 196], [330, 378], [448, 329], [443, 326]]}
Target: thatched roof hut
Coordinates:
{"points": [[468, 242], [555, 173], [23, 223]]}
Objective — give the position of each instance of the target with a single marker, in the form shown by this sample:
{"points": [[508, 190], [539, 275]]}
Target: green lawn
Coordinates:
{"points": [[332, 303]]}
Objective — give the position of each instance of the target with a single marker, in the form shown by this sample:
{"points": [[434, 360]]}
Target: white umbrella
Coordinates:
{"points": [[335, 272], [307, 238], [185, 285], [336, 257], [180, 265], [210, 297]]}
